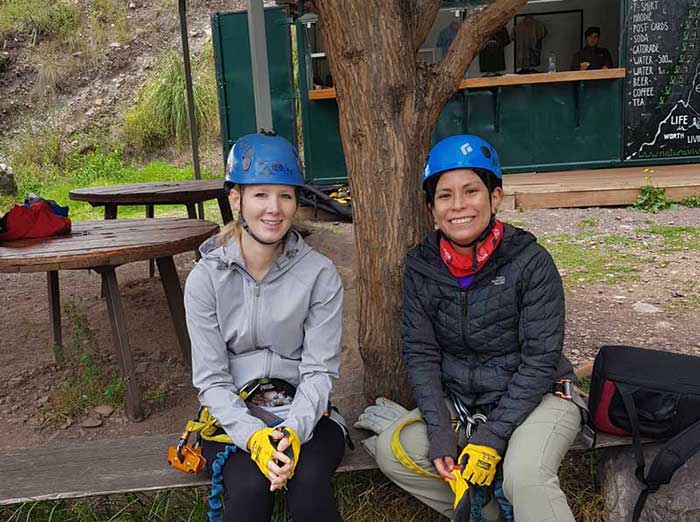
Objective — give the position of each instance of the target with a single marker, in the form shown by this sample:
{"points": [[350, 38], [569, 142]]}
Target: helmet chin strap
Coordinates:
{"points": [[474, 244], [246, 227], [484, 234]]}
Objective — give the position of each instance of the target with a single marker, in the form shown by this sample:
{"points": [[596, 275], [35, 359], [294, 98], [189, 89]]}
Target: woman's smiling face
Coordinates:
{"points": [[462, 206], [268, 209]]}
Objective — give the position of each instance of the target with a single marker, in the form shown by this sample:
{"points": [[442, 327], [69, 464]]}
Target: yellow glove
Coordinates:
{"points": [[460, 488], [479, 464], [262, 446]]}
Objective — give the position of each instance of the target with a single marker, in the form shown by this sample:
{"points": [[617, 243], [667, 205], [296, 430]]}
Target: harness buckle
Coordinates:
{"points": [[564, 389], [186, 457]]}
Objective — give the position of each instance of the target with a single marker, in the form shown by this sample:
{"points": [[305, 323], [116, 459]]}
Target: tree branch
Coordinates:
{"points": [[424, 15], [443, 80]]}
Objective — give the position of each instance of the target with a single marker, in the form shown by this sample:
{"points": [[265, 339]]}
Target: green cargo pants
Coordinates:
{"points": [[530, 465]]}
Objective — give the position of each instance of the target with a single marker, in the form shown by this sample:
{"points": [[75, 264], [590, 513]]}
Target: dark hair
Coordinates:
{"points": [[592, 30], [487, 177]]}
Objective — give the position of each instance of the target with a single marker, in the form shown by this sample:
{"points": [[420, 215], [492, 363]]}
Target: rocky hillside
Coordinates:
{"points": [[87, 79]]}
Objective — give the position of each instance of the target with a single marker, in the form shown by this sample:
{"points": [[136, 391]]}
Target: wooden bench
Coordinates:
{"points": [[108, 467]]}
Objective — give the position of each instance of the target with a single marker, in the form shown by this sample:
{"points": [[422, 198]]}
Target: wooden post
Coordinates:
{"points": [[134, 410], [173, 294], [55, 313], [110, 211], [150, 213], [192, 214], [225, 209]]}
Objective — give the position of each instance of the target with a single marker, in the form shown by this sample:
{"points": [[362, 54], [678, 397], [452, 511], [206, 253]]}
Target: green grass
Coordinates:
{"points": [[674, 238], [361, 497], [586, 260], [97, 168], [50, 18], [588, 222], [620, 240], [160, 116], [87, 386], [364, 496]]}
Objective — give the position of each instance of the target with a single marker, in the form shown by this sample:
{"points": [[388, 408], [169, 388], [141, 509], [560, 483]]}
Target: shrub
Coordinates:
{"points": [[53, 18], [652, 199], [691, 202], [160, 115]]}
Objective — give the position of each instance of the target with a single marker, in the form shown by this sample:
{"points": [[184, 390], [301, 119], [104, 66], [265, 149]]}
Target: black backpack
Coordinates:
{"points": [[647, 393]]}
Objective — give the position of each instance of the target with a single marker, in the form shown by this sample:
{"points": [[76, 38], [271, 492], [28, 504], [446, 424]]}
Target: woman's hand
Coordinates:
{"points": [[281, 466], [444, 466]]}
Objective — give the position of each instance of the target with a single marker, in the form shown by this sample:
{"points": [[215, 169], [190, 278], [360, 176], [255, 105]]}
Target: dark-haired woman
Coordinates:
{"points": [[482, 338]]}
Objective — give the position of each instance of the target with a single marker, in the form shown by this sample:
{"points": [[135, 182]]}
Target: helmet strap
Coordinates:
{"points": [[473, 244]]}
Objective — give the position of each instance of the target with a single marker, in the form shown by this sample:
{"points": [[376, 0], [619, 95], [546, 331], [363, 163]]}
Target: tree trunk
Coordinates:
{"points": [[389, 105]]}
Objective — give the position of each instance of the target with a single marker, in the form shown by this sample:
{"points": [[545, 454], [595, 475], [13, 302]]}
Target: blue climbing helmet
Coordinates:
{"points": [[464, 151], [263, 159]]}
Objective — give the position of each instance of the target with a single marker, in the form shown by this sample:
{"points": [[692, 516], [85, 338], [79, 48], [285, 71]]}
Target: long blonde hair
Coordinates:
{"points": [[231, 231]]}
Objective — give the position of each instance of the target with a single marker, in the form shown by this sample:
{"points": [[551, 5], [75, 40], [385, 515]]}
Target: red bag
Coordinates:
{"points": [[37, 220]]}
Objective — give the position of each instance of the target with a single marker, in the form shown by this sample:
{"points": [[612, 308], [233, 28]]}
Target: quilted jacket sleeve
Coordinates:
{"points": [[423, 358], [541, 338]]}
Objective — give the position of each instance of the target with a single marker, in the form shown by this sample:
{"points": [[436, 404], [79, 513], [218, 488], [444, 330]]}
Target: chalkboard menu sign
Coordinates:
{"points": [[662, 86]]}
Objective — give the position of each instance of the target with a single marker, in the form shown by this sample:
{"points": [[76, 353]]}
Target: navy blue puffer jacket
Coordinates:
{"points": [[496, 345]]}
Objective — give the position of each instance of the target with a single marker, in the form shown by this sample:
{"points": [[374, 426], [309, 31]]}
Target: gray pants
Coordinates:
{"points": [[530, 465]]}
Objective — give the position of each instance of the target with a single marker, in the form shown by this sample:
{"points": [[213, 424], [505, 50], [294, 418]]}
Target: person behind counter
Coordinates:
{"points": [[446, 36], [591, 56]]}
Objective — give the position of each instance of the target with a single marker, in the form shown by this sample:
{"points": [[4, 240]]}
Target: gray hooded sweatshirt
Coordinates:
{"points": [[287, 326]]}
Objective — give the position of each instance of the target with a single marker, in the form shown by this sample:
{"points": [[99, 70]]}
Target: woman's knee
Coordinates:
{"points": [[245, 489], [384, 455], [523, 474]]}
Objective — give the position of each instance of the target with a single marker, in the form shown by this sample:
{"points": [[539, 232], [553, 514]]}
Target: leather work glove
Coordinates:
{"points": [[479, 464], [262, 447], [462, 503], [377, 418]]}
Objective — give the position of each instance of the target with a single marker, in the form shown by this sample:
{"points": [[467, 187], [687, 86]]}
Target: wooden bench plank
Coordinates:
{"points": [[107, 467]]}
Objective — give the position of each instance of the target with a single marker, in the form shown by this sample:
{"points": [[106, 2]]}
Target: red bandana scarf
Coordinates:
{"points": [[463, 265]]}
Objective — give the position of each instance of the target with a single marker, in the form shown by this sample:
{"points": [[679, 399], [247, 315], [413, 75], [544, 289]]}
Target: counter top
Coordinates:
{"points": [[512, 79]]}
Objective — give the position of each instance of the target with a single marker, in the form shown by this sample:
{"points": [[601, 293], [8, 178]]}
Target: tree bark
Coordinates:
{"points": [[389, 104]]}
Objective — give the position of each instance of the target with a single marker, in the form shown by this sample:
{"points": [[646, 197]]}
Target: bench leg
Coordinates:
{"points": [[150, 213], [173, 294], [120, 337], [192, 214], [225, 209], [55, 312], [110, 211]]}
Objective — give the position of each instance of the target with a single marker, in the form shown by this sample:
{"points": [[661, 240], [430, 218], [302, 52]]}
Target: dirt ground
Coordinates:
{"points": [[658, 309]]}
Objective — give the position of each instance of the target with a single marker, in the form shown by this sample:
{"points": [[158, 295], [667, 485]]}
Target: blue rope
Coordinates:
{"points": [[502, 501], [217, 483], [217, 480]]}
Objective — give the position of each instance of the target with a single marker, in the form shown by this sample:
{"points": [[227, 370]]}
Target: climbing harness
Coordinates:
{"points": [[465, 419], [187, 456]]}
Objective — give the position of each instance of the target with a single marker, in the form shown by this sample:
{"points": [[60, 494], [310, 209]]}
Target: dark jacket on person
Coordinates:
{"points": [[597, 57], [496, 345]]}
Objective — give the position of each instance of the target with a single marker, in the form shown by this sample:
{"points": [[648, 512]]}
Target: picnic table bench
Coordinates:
{"points": [[102, 246]]}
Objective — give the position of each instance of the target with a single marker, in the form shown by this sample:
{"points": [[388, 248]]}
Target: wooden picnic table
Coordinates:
{"points": [[102, 246], [187, 193]]}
